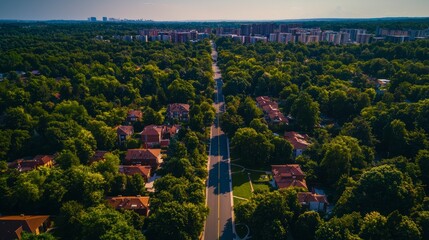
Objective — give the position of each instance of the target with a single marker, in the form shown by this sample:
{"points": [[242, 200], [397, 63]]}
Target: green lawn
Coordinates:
{"points": [[241, 185], [260, 181]]}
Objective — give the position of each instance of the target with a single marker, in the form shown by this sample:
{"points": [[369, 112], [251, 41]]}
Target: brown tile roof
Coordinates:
{"points": [[144, 171], [307, 197], [178, 107], [289, 175], [125, 130], [44, 159], [11, 227], [136, 154], [152, 130], [31, 164], [130, 203], [135, 113], [298, 141]]}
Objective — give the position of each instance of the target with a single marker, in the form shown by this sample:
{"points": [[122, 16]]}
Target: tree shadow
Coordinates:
{"points": [[219, 180], [227, 231]]}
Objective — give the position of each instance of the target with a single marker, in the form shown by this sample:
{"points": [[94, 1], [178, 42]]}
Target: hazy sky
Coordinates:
{"points": [[210, 10]]}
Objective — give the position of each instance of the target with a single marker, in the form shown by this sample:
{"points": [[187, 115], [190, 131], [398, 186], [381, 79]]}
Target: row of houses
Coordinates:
{"points": [[271, 110], [154, 135], [143, 161], [12, 227], [291, 175]]}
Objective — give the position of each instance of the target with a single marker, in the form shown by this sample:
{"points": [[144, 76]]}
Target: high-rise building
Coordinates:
{"points": [[104, 19], [245, 29], [353, 33], [363, 38], [92, 19]]}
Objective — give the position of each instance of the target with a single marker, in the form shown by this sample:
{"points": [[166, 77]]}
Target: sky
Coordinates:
{"points": [[183, 10]]}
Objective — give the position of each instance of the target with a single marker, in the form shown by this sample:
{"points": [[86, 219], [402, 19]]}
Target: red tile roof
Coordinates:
{"points": [[11, 227], [271, 110], [31, 164], [138, 203], [125, 130], [135, 114], [178, 107], [144, 171], [307, 197], [289, 175], [136, 154], [297, 140], [152, 130]]}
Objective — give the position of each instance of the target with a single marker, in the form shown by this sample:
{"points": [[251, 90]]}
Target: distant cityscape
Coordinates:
{"points": [[272, 32]]}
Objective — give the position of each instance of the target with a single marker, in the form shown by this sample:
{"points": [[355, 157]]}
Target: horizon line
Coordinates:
{"points": [[220, 20]]}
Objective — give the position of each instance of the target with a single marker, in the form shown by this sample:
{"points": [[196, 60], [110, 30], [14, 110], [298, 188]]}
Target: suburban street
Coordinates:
{"points": [[219, 223]]}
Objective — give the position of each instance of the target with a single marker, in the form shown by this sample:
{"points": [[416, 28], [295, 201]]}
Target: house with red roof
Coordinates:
{"points": [[12, 227], [289, 175], [271, 110], [124, 132], [137, 204], [134, 116], [299, 142], [179, 111], [144, 157], [313, 201], [158, 136], [131, 170], [25, 165]]}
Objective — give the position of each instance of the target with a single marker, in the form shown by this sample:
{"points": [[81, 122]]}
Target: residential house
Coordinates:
{"points": [[144, 157], [313, 201], [134, 116], [299, 142], [131, 170], [137, 204], [11, 227], [289, 175], [158, 136], [271, 110], [98, 156], [124, 132], [25, 165], [179, 111]]}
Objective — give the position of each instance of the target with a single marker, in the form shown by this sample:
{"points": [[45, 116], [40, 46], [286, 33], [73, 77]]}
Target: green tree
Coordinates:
{"points": [[374, 226], [181, 91], [306, 225], [341, 155], [185, 221], [252, 147], [305, 112], [371, 194]]}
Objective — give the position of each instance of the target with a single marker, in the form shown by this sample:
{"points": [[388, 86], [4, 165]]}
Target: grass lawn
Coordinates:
{"points": [[241, 185], [260, 181]]}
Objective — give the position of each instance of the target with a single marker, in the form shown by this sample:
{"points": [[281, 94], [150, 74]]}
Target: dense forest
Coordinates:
{"points": [[65, 92], [370, 141]]}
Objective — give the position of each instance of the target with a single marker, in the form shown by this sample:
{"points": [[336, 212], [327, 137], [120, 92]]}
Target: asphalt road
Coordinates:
{"points": [[219, 223]]}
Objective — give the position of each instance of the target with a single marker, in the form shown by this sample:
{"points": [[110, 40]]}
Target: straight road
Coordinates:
{"points": [[219, 223]]}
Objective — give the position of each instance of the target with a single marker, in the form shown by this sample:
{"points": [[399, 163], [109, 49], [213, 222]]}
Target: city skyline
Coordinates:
{"points": [[188, 10]]}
